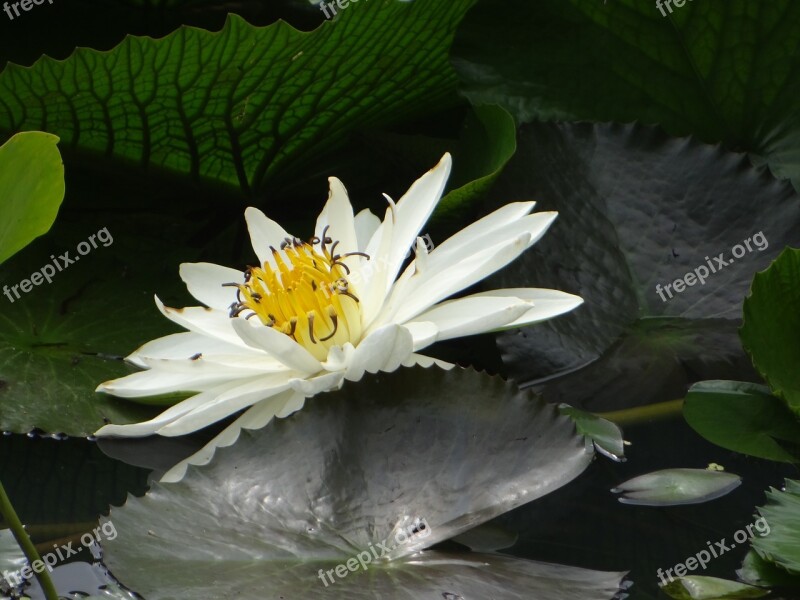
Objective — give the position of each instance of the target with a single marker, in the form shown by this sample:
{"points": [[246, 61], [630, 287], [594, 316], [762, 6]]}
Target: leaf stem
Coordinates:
{"points": [[639, 414], [25, 544]]}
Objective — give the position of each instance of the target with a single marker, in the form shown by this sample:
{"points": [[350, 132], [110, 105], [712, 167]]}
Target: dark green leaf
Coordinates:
{"points": [[727, 71]]}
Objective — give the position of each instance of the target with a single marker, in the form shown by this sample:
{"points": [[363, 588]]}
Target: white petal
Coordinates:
{"points": [[295, 403], [337, 215], [366, 224], [276, 344], [426, 362], [423, 333], [420, 295], [233, 364], [454, 250], [465, 240], [546, 303], [413, 286], [315, 385], [155, 382], [205, 321], [412, 212], [471, 315], [254, 418], [186, 345], [227, 403], [204, 282], [383, 350], [372, 280], [264, 233], [173, 412]]}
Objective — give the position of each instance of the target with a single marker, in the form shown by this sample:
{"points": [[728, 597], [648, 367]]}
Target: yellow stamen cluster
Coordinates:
{"points": [[305, 295]]}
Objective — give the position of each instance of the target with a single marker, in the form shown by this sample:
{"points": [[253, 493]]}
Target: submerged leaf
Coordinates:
{"points": [[352, 470], [672, 487]]}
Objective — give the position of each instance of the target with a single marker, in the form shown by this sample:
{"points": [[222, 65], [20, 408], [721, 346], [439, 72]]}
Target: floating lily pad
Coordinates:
{"points": [[638, 210], [348, 473], [745, 418], [782, 512], [673, 487], [771, 329], [700, 587]]}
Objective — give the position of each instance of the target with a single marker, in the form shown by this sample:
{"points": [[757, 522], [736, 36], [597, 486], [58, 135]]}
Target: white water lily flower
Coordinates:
{"points": [[315, 314]]}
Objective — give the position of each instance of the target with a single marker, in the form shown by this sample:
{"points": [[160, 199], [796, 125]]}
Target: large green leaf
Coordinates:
{"points": [[743, 417], [31, 189], [725, 70], [771, 328], [245, 104], [351, 470], [637, 211]]}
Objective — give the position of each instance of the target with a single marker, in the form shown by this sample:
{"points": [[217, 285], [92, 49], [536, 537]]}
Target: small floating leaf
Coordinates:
{"points": [[699, 587], [671, 487], [607, 436]]}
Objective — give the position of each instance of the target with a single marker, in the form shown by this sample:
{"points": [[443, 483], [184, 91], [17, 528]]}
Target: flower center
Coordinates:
{"points": [[306, 295]]}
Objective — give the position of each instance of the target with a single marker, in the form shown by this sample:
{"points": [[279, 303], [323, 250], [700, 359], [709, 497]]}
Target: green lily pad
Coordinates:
{"points": [[31, 189], [743, 417], [757, 571], [349, 472], [673, 487], [700, 587], [244, 105], [771, 328], [724, 71], [781, 545], [61, 338], [638, 210]]}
